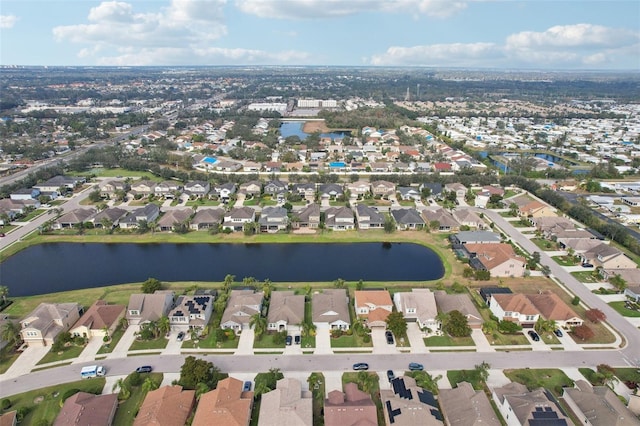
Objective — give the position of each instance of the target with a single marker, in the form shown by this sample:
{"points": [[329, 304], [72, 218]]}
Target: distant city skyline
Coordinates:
{"points": [[528, 34]]}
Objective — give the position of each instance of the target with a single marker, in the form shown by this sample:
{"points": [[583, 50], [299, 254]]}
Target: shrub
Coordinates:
{"points": [[595, 315], [575, 301], [135, 379], [583, 332], [366, 338], [6, 403], [221, 335]]}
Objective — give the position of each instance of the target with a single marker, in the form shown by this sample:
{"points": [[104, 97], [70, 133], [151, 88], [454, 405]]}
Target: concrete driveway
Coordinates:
{"points": [[380, 345], [174, 346], [90, 351], [415, 339], [323, 342], [245, 345], [240, 200], [121, 350], [26, 361]]}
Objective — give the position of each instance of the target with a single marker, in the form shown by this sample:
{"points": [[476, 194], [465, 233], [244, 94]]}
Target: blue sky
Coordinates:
{"points": [[534, 34]]}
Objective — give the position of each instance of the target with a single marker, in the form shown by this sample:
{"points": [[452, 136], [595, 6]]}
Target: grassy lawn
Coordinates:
{"points": [[544, 244], [32, 215], [127, 410], [549, 338], [7, 358], [115, 338], [565, 260], [264, 201], [620, 308], [499, 339], [202, 202], [506, 214], [211, 342], [43, 405], [159, 343], [318, 392], [267, 341], [586, 277], [353, 341], [68, 352], [551, 378], [628, 374], [448, 341], [471, 376]]}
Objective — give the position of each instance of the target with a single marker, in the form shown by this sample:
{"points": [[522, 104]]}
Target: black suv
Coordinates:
{"points": [[534, 336], [389, 335]]}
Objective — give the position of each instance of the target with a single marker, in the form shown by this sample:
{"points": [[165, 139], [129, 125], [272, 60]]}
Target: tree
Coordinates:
{"points": [[482, 370], [509, 327], [10, 333], [618, 282], [546, 271], [149, 384], [259, 324], [151, 285], [367, 381], [228, 280], [543, 325], [164, 326], [195, 371], [607, 374], [426, 380], [339, 283], [249, 228], [4, 293], [266, 382], [125, 390], [583, 332], [397, 324], [359, 285], [389, 225], [595, 315], [267, 288], [456, 324]]}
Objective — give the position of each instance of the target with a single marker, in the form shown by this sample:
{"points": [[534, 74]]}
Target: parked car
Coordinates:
{"points": [[1, 234], [247, 386], [414, 366], [289, 340], [180, 336], [144, 369], [587, 265], [389, 335], [390, 375], [296, 339], [557, 332], [534, 336], [360, 366]]}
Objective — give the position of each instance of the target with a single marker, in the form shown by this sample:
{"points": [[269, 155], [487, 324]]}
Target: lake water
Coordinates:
{"points": [[294, 128], [54, 267]]}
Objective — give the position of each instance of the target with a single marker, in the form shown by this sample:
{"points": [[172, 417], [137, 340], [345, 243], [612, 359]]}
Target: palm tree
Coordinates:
{"points": [[201, 388], [4, 293], [121, 384], [10, 333], [164, 326], [367, 381], [148, 385], [228, 280], [259, 324], [267, 287], [308, 328]]}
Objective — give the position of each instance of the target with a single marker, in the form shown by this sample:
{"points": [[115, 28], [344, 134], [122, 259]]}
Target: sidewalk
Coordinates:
{"points": [[90, 351], [482, 344], [121, 350]]}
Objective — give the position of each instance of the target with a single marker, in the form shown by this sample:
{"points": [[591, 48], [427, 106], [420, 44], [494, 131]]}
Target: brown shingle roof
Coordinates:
{"points": [[515, 303], [552, 307], [88, 409], [492, 255], [351, 408], [225, 405], [167, 406], [100, 315]]}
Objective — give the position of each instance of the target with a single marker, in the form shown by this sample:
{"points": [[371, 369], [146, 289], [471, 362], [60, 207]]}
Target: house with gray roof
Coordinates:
{"points": [[274, 187], [435, 188], [468, 218], [339, 218], [598, 406], [330, 190], [369, 217], [285, 309], [407, 404], [273, 219], [241, 306], [206, 218], [608, 257], [418, 305], [308, 217], [442, 218], [461, 303], [237, 217], [173, 218], [330, 309], [148, 213], [407, 219], [408, 193], [41, 326], [522, 407], [197, 188], [287, 404], [191, 311], [224, 191], [143, 307], [57, 182], [475, 237], [465, 406], [74, 218], [111, 215]]}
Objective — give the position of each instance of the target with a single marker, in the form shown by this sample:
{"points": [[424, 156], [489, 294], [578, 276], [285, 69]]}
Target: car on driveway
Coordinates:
{"points": [[180, 336], [289, 340], [360, 366], [587, 265], [390, 375], [534, 336], [389, 336], [144, 369], [247, 386], [296, 339], [557, 332], [414, 366]]}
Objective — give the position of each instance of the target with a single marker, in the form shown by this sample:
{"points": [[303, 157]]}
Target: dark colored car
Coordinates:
{"points": [[390, 375], [534, 336], [246, 387], [414, 366], [361, 366], [144, 369], [557, 332], [389, 336], [180, 336], [296, 339], [1, 234], [289, 340], [587, 265]]}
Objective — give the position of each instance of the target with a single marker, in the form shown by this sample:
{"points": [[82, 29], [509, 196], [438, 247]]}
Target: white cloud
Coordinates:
{"points": [[314, 9], [7, 21], [568, 46]]}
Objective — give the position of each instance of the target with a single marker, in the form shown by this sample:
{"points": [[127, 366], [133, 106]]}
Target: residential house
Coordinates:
{"points": [[227, 166], [306, 190], [374, 306], [339, 218], [109, 217], [224, 191], [143, 187], [166, 189], [242, 305], [382, 188], [466, 406], [521, 407], [545, 224], [499, 259], [439, 219], [409, 193], [12, 208], [226, 405], [359, 188], [197, 188], [407, 219], [273, 219], [369, 217], [349, 408], [308, 217], [173, 218], [191, 312], [468, 218], [207, 218], [442, 167], [630, 276], [551, 307], [237, 217], [55, 183], [330, 191], [435, 189], [493, 190], [253, 188], [578, 245], [598, 406], [330, 310], [84, 408], [514, 307], [99, 320], [111, 187], [461, 303], [285, 309], [148, 214], [167, 406], [74, 218], [456, 187], [607, 257], [535, 209], [407, 404], [275, 187], [475, 237], [25, 194], [418, 305], [9, 418], [41, 326], [143, 307], [287, 405]]}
